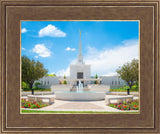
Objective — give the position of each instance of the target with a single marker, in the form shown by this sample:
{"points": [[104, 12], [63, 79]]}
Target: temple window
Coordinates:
{"points": [[115, 82], [112, 82]]}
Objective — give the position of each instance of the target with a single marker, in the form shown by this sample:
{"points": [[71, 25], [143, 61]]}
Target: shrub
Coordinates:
{"points": [[27, 89], [36, 84], [24, 85], [64, 82], [135, 87], [96, 82]]}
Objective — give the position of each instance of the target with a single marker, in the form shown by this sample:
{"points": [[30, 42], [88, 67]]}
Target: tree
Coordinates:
{"points": [[64, 82], [51, 75], [96, 77], [37, 84], [129, 72], [32, 70]]}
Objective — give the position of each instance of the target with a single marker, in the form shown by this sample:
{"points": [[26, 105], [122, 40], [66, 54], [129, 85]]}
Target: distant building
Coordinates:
{"points": [[113, 81]]}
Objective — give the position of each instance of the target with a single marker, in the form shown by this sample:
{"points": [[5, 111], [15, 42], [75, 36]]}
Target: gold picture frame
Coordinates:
{"points": [[13, 11]]}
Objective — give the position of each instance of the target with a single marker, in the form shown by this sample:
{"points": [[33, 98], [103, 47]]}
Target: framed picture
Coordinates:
{"points": [[73, 66], [103, 78]]}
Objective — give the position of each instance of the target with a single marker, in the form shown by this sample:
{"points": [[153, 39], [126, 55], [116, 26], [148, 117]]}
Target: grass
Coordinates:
{"points": [[37, 111], [122, 90], [134, 88], [36, 89]]}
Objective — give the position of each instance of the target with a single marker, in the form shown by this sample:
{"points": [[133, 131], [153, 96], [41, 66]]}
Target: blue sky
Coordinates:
{"points": [[106, 45]]}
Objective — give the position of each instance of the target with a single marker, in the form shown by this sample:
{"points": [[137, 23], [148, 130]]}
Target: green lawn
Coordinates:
{"points": [[134, 88], [37, 90], [36, 111], [122, 90]]}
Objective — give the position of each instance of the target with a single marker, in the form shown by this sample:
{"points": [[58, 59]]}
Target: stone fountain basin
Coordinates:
{"points": [[82, 96]]}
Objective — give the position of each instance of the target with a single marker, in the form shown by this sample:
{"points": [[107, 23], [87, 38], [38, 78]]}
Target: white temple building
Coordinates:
{"points": [[81, 71]]}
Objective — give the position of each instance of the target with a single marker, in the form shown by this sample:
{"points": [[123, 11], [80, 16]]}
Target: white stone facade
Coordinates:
{"points": [[62, 87], [80, 70], [113, 81], [47, 81], [80, 96], [98, 88], [85, 69]]}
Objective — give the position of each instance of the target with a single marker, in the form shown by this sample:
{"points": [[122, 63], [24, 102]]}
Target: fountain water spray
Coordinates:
{"points": [[80, 87]]}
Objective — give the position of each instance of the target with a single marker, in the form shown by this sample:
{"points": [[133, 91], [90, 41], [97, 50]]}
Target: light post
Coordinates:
{"points": [[128, 91], [32, 91]]}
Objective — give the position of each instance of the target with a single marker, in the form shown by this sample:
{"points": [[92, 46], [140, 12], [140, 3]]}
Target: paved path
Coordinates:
{"points": [[60, 105], [79, 105]]}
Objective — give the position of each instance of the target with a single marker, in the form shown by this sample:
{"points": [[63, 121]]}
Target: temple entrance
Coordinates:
{"points": [[79, 75]]}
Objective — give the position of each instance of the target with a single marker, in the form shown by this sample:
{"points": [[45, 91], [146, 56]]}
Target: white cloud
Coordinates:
{"points": [[70, 49], [105, 62], [41, 50], [23, 30], [23, 49], [63, 72], [51, 31], [36, 56]]}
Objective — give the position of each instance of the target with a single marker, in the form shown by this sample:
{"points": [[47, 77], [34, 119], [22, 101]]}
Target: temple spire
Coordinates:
{"points": [[80, 56], [79, 42]]}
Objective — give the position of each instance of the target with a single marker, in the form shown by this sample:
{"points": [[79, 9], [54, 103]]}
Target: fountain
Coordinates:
{"points": [[80, 71], [79, 87], [79, 94]]}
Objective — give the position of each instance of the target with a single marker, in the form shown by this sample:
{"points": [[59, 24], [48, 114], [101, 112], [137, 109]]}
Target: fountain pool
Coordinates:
{"points": [[79, 94]]}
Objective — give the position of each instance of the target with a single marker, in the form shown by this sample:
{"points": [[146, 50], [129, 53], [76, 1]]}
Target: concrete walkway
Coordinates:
{"points": [[60, 105]]}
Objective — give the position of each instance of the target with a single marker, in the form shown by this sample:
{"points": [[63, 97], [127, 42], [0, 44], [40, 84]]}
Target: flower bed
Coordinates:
{"points": [[130, 105], [33, 105]]}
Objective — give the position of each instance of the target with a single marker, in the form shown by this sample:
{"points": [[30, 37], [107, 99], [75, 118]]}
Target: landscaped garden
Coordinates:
{"points": [[25, 87], [134, 88], [130, 105], [32, 105]]}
